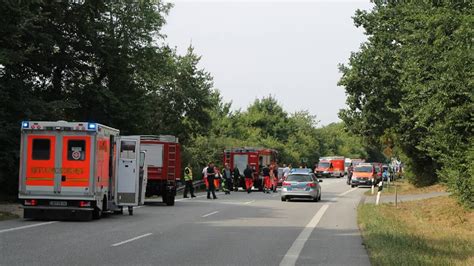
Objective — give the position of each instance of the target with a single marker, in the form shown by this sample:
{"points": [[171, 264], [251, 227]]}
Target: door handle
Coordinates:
{"points": [[63, 178]]}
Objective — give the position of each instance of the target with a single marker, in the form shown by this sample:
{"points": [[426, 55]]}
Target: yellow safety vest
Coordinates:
{"points": [[188, 174]]}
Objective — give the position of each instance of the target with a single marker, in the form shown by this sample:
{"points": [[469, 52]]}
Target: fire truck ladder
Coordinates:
{"points": [[172, 162]]}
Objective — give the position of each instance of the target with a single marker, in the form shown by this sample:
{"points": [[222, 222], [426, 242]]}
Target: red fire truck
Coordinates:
{"points": [[163, 162], [77, 170], [255, 157]]}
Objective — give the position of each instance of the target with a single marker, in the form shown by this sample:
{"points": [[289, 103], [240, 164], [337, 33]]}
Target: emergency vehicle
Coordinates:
{"points": [[163, 169], [77, 170], [255, 157], [330, 167]]}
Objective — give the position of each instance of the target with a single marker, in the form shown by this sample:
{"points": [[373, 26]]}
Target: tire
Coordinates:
{"points": [[96, 213], [169, 200], [319, 198], [352, 186], [130, 210], [283, 199]]}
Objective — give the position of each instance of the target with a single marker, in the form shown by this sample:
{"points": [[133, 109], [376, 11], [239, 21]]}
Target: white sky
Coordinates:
{"points": [[288, 49]]}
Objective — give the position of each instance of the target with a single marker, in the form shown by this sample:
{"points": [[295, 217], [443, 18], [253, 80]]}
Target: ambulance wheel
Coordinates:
{"points": [[130, 210]]}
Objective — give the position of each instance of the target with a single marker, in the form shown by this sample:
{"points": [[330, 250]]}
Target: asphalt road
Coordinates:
{"points": [[236, 229]]}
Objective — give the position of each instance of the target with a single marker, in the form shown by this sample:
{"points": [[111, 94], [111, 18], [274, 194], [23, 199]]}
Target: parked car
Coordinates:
{"points": [[301, 185]]}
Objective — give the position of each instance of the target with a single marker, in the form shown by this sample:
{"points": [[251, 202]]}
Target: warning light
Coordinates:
{"points": [[25, 124], [92, 126]]}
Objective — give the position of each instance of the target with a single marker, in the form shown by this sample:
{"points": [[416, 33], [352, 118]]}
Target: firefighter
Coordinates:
{"points": [[266, 172], [248, 173], [236, 182], [217, 179], [211, 175], [227, 179], [188, 179], [275, 177]]}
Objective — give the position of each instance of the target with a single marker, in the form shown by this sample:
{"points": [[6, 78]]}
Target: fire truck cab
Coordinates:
{"points": [[69, 170], [255, 157]]}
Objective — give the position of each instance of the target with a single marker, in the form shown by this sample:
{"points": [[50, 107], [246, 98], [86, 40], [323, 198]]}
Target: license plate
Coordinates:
{"points": [[58, 203]]}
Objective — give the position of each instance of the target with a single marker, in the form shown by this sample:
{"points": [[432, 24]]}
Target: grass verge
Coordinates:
{"points": [[435, 231], [7, 216], [404, 188]]}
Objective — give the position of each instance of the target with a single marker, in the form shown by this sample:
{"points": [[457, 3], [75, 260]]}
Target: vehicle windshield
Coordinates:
{"points": [[363, 169], [299, 178], [323, 165], [377, 169], [347, 164]]}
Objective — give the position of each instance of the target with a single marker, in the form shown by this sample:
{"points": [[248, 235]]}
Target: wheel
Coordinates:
{"points": [[96, 213], [352, 186], [316, 199], [130, 210], [319, 198], [169, 200], [283, 199]]}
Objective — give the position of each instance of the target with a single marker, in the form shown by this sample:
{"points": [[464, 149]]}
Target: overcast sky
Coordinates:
{"points": [[286, 49]]}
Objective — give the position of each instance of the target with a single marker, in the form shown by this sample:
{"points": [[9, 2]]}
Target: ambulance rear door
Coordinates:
{"points": [[77, 164], [38, 163], [128, 170]]}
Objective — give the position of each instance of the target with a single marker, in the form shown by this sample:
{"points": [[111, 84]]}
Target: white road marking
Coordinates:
{"points": [[249, 202], [293, 253], [209, 214], [347, 192], [131, 239], [26, 227], [138, 207]]}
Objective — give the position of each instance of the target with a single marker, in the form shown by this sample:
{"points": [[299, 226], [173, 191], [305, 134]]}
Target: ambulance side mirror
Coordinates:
{"points": [[142, 159]]}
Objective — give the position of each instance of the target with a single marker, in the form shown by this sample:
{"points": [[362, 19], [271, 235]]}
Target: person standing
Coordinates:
{"points": [[286, 171], [188, 180], [266, 172], [204, 176], [350, 170], [227, 177], [236, 182], [248, 174], [217, 178], [211, 175], [275, 177]]}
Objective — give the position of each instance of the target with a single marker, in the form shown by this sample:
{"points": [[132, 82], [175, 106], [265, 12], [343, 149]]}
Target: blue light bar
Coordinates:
{"points": [[92, 126], [25, 124]]}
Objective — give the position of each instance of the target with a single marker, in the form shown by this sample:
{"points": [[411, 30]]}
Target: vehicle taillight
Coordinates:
{"points": [[84, 203], [32, 202], [311, 185], [286, 184]]}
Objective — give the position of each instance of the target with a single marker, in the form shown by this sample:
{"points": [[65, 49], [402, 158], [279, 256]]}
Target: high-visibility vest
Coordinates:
{"points": [[188, 174]]}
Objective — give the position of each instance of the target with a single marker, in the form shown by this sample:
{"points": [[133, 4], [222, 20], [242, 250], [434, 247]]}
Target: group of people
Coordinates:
{"points": [[230, 179]]}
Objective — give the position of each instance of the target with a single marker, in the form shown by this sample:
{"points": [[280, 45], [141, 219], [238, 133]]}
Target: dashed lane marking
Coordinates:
{"points": [[26, 227], [131, 239]]}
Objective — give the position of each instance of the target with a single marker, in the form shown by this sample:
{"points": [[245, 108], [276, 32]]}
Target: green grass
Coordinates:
{"points": [[7, 216], [429, 232], [404, 188]]}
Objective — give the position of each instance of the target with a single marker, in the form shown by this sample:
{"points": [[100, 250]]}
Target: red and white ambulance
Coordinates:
{"points": [[72, 170]]}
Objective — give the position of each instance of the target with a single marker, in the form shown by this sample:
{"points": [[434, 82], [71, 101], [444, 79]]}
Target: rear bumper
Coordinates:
{"points": [[299, 194], [57, 213], [361, 182]]}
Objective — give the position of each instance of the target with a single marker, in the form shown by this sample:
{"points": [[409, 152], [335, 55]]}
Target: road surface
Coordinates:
{"points": [[236, 229]]}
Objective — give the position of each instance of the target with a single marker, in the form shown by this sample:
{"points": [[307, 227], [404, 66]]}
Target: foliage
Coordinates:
{"points": [[410, 87], [101, 61]]}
